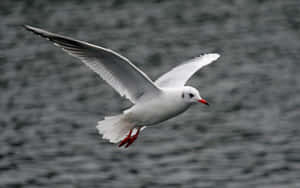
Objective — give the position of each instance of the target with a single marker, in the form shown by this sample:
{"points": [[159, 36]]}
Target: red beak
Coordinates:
{"points": [[203, 101]]}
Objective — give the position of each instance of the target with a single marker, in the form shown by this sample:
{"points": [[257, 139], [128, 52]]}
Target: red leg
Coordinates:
{"points": [[133, 138], [126, 139]]}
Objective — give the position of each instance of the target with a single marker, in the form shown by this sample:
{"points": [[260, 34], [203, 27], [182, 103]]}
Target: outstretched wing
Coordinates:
{"points": [[115, 69], [178, 76]]}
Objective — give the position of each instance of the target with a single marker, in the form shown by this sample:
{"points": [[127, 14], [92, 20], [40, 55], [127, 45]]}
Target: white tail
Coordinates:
{"points": [[114, 128]]}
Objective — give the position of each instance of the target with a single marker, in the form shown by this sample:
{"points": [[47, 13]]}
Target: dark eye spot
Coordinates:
{"points": [[182, 96], [191, 95]]}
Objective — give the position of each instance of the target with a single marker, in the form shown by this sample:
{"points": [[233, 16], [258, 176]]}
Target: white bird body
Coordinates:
{"points": [[154, 102], [166, 105]]}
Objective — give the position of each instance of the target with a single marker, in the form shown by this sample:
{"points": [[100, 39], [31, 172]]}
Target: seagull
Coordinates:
{"points": [[153, 102]]}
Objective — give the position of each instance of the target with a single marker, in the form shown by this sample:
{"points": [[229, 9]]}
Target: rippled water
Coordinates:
{"points": [[50, 102]]}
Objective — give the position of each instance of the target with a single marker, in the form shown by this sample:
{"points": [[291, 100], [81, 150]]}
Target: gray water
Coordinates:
{"points": [[50, 102]]}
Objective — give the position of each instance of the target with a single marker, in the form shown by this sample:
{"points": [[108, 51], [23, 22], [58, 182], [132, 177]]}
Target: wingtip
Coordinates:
{"points": [[36, 30], [214, 56], [30, 28], [27, 27]]}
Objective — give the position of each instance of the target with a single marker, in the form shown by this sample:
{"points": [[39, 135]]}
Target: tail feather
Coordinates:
{"points": [[114, 128]]}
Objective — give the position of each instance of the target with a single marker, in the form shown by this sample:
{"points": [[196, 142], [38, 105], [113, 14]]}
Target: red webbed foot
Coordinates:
{"points": [[130, 139]]}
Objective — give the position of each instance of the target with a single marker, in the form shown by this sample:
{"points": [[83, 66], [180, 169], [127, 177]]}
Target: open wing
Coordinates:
{"points": [[178, 76], [115, 69]]}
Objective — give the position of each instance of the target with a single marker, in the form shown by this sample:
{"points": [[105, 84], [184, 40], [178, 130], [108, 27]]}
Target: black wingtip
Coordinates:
{"points": [[37, 31], [30, 28], [64, 41]]}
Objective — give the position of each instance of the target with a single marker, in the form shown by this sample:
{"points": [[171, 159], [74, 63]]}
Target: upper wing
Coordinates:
{"points": [[178, 76], [115, 69]]}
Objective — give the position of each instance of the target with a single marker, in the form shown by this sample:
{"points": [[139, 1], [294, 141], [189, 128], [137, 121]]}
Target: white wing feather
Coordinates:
{"points": [[178, 76], [115, 69]]}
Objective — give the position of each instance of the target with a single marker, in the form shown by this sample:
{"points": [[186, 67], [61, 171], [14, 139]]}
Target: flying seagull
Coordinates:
{"points": [[153, 102]]}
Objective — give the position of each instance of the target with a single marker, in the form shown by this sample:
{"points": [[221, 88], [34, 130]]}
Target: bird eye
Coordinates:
{"points": [[191, 95], [182, 96]]}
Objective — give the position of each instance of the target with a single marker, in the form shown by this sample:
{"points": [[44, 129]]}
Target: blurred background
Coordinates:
{"points": [[50, 102]]}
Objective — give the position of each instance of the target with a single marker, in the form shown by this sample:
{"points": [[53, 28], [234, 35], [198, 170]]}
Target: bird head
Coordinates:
{"points": [[192, 95]]}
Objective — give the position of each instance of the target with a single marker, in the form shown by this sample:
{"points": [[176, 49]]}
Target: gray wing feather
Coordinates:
{"points": [[178, 76], [115, 69]]}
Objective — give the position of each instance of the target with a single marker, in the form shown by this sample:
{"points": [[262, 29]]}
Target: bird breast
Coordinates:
{"points": [[155, 110]]}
